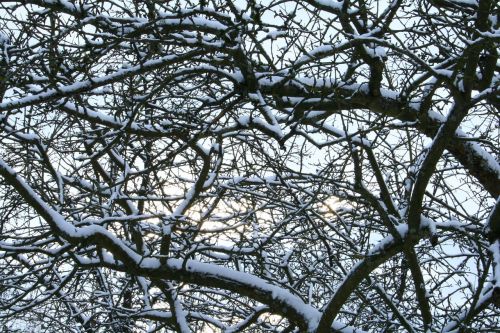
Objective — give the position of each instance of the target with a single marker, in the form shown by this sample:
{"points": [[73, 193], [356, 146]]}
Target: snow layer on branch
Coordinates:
{"points": [[335, 5], [495, 254], [306, 82], [387, 241], [309, 313], [85, 85], [489, 160], [194, 21], [491, 163]]}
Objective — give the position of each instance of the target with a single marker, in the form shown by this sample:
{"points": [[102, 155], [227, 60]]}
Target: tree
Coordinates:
{"points": [[220, 166]]}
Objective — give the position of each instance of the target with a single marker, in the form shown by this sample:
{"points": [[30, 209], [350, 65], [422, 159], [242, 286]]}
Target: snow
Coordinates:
{"points": [[495, 254], [244, 121], [81, 86], [268, 120], [305, 83], [111, 121], [309, 313], [467, 2], [436, 116], [156, 313], [487, 159], [58, 222], [376, 52], [275, 129], [429, 224], [180, 314], [271, 124], [402, 229], [193, 21], [68, 6], [335, 5], [275, 34], [444, 72], [236, 278], [316, 52]]}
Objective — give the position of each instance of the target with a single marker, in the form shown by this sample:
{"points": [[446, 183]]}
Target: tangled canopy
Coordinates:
{"points": [[241, 166]]}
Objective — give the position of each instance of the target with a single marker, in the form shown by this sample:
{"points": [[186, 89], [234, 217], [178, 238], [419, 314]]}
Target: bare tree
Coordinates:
{"points": [[244, 166]]}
